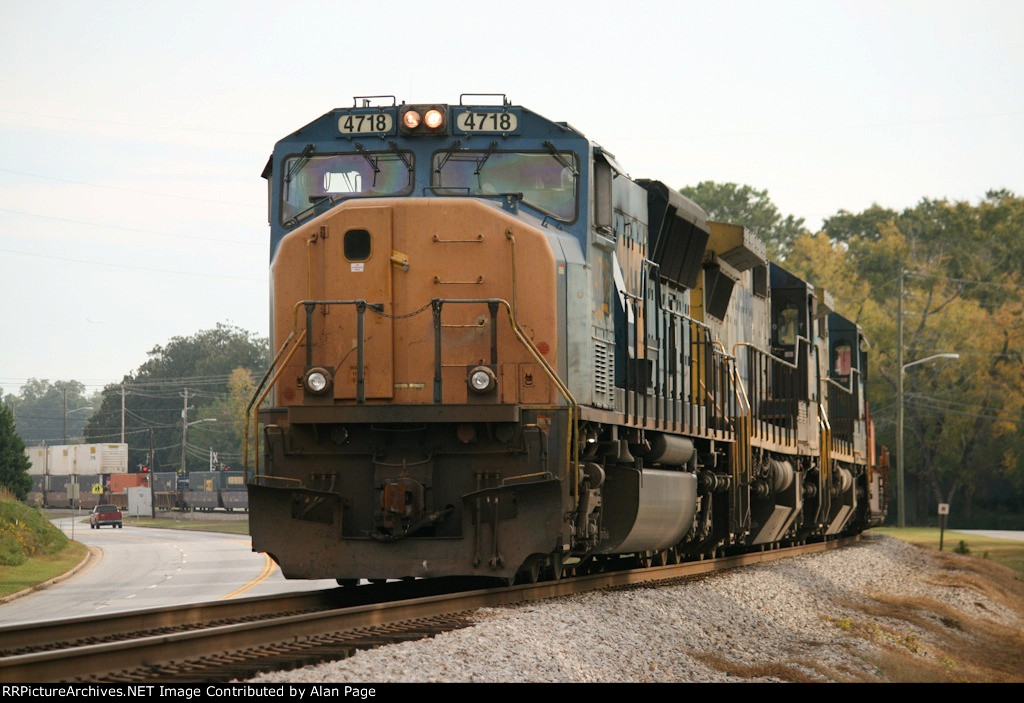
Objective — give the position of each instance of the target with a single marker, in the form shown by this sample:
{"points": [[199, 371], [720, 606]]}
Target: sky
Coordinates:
{"points": [[133, 135]]}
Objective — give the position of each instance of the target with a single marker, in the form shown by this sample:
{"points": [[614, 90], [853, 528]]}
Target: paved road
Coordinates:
{"points": [[143, 567]]}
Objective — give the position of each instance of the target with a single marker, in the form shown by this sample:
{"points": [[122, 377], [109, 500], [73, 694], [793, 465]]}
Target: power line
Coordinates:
{"points": [[140, 126], [132, 229], [127, 190], [950, 411], [935, 399], [1012, 286], [133, 268]]}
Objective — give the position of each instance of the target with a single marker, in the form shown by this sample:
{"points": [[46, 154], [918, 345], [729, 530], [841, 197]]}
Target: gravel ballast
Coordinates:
{"points": [[815, 618]]}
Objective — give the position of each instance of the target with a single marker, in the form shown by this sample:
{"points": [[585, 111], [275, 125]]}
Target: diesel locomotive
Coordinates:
{"points": [[497, 354]]}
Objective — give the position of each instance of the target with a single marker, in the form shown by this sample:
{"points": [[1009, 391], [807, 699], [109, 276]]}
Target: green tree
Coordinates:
{"points": [[14, 464], [963, 419], [975, 244], [39, 411], [750, 207], [228, 432], [155, 399]]}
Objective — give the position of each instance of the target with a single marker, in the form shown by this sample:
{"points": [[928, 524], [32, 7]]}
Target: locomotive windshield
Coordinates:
{"points": [[311, 180], [547, 180]]}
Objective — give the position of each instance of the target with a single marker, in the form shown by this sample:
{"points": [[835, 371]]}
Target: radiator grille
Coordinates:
{"points": [[604, 375]]}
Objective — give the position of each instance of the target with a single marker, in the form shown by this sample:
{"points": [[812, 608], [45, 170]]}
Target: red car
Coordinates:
{"points": [[105, 515]]}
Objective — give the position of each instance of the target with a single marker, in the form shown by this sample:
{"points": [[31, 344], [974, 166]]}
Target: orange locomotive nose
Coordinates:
{"points": [[406, 258]]}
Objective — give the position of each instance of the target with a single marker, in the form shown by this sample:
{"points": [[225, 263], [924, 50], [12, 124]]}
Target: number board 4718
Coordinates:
{"points": [[471, 121], [373, 123]]}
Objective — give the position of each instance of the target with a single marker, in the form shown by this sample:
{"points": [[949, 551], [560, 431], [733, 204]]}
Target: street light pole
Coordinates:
{"points": [[68, 412], [185, 424], [900, 502]]}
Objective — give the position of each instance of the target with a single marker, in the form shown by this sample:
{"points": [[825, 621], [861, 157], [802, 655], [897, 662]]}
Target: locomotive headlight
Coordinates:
{"points": [[433, 119], [317, 380], [423, 120], [482, 380], [411, 119]]}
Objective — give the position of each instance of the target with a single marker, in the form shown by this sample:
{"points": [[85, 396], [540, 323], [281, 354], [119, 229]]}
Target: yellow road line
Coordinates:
{"points": [[268, 569]]}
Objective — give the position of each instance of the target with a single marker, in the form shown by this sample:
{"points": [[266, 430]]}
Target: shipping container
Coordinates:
{"points": [[37, 457], [204, 481], [61, 495], [165, 481], [60, 460], [119, 483], [72, 459], [232, 481]]}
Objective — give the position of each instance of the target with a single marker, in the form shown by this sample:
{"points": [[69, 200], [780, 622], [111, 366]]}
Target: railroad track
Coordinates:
{"points": [[224, 640]]}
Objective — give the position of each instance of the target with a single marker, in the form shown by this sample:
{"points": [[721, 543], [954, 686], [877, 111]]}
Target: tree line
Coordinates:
{"points": [[204, 380]]}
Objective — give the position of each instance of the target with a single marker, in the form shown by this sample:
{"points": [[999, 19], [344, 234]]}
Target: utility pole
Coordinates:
{"points": [[184, 431], [900, 483], [122, 413]]}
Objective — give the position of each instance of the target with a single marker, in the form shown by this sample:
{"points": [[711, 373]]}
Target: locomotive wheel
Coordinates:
{"points": [[662, 558], [552, 570], [529, 572]]}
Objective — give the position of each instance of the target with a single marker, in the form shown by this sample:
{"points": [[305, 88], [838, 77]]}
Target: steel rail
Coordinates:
{"points": [[92, 628], [150, 652]]}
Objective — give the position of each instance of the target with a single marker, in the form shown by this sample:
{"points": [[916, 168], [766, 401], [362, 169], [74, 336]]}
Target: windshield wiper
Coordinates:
{"points": [[451, 150], [561, 159], [402, 155], [481, 162], [299, 163], [370, 160], [319, 203]]}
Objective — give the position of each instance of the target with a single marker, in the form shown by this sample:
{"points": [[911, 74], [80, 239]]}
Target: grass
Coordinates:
{"points": [[179, 521], [32, 549], [919, 639], [42, 568], [922, 640], [1007, 552], [235, 527], [25, 534]]}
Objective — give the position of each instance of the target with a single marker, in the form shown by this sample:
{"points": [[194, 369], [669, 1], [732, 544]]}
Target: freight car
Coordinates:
{"points": [[498, 354], [74, 474], [208, 490]]}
